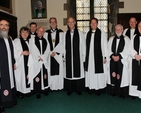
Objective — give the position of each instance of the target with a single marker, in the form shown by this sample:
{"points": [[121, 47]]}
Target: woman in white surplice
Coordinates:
{"points": [[21, 73]]}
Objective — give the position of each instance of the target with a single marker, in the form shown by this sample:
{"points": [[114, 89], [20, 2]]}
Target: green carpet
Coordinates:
{"points": [[59, 102]]}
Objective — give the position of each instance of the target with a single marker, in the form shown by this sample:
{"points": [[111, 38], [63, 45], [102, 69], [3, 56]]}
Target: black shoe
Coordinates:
{"points": [[38, 96], [132, 97], [79, 93], [46, 93], [113, 95], [21, 96], [98, 94], [2, 110], [90, 92], [122, 97], [69, 93]]}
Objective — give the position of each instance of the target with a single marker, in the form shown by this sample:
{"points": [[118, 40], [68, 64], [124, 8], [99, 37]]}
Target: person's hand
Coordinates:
{"points": [[115, 58], [15, 66], [53, 54], [104, 61], [26, 53], [137, 57], [40, 58], [45, 76], [27, 77]]}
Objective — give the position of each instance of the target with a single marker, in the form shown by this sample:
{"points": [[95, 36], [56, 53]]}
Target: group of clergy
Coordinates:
{"points": [[39, 61]]}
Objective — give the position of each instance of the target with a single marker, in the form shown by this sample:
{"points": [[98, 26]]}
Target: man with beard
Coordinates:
{"points": [[39, 63], [55, 36], [118, 47], [7, 66]]}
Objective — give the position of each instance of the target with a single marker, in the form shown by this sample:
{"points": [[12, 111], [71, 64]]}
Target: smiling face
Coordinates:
{"points": [[71, 23], [40, 31], [24, 34], [4, 28], [93, 24], [132, 23], [53, 23], [118, 30]]}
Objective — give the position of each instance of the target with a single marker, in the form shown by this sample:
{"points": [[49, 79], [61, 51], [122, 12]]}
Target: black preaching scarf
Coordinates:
{"points": [[4, 69], [136, 65], [76, 54], [44, 47], [54, 63], [98, 58], [117, 66], [129, 30], [25, 58]]}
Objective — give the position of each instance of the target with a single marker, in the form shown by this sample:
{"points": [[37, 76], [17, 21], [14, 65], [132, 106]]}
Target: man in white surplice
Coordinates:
{"points": [[54, 37], [74, 56], [118, 68], [96, 54], [135, 65], [39, 71], [132, 30]]}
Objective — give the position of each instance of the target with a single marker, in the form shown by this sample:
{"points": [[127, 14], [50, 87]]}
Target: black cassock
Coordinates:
{"points": [[37, 84], [5, 81], [117, 67], [136, 65]]}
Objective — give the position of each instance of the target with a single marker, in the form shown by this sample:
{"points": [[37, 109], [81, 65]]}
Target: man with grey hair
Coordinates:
{"points": [[118, 47], [7, 66], [38, 63]]}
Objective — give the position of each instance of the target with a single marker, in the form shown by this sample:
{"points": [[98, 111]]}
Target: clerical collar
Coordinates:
{"points": [[72, 31], [93, 31], [40, 38], [53, 30], [25, 39], [33, 33]]}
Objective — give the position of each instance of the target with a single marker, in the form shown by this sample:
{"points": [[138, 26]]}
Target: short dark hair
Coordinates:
{"points": [[24, 28], [94, 19], [33, 23]]}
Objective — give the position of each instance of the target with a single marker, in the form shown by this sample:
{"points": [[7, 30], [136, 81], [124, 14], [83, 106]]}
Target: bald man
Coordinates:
{"points": [[7, 63], [132, 30], [39, 63]]}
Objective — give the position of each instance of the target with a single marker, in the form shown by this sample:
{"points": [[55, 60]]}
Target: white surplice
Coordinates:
{"points": [[35, 65], [20, 70], [132, 88], [124, 60], [56, 81], [96, 80]]}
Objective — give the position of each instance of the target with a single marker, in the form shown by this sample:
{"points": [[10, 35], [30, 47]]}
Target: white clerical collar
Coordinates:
{"points": [[53, 30], [72, 31], [93, 31]]}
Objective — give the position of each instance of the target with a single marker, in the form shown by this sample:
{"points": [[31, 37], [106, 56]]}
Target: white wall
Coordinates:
{"points": [[131, 6], [22, 10]]}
